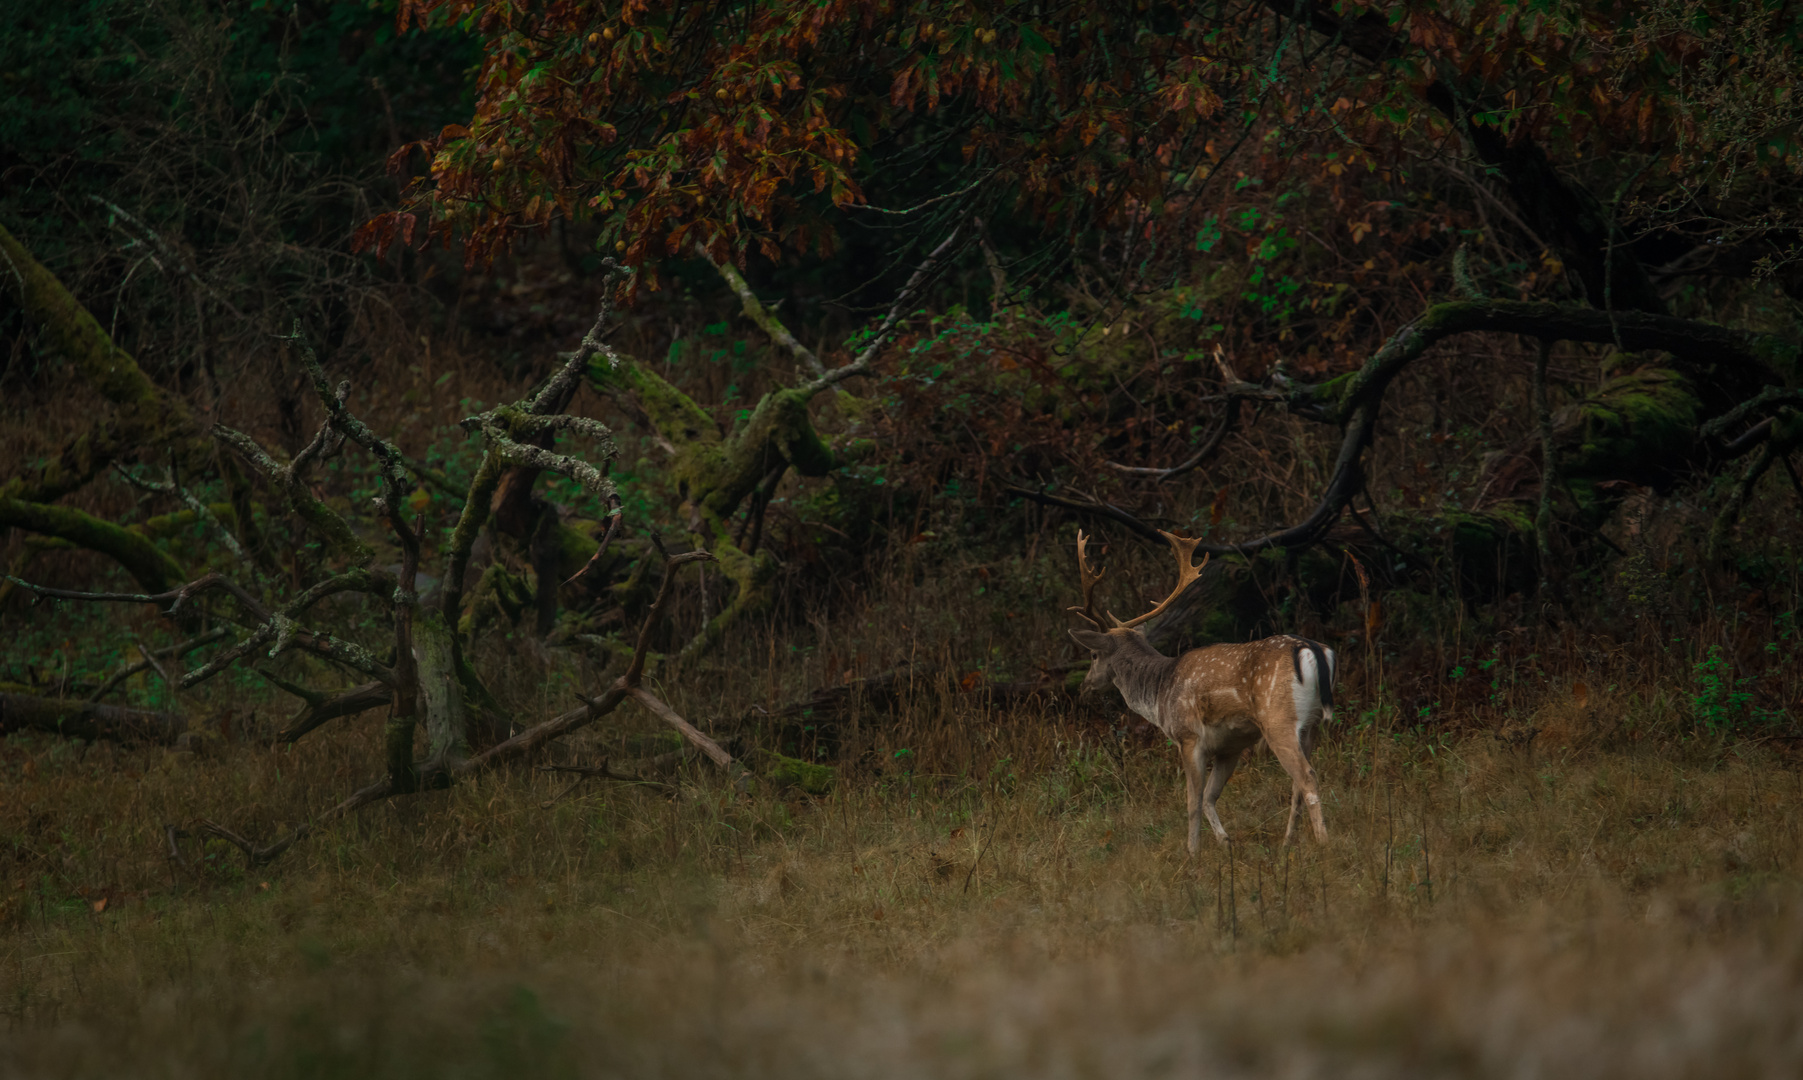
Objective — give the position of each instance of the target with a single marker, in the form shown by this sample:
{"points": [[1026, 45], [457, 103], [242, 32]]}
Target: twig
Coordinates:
{"points": [[917, 207], [186, 647], [861, 365], [606, 771], [162, 672], [979, 859], [607, 539], [1203, 453]]}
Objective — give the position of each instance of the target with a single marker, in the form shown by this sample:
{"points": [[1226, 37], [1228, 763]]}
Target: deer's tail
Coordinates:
{"points": [[1324, 671]]}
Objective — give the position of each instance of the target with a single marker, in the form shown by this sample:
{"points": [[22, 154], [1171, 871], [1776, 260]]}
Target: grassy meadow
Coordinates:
{"points": [[1561, 873]]}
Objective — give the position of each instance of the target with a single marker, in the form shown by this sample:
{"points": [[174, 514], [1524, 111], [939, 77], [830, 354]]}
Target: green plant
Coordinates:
{"points": [[1719, 700]]}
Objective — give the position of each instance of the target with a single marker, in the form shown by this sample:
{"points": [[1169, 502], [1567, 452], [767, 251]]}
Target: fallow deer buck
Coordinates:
{"points": [[1216, 702]]}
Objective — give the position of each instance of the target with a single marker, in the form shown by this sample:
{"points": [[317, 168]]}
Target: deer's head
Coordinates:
{"points": [[1106, 642]]}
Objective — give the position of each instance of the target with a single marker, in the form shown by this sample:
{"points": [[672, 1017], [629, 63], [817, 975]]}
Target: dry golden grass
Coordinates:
{"points": [[982, 895]]}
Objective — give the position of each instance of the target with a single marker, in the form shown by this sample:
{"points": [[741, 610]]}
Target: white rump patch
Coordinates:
{"points": [[1305, 691]]}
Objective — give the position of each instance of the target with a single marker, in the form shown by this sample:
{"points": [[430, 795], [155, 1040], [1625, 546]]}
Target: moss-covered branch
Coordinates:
{"points": [[765, 319], [332, 528], [718, 472], [150, 566], [144, 413]]}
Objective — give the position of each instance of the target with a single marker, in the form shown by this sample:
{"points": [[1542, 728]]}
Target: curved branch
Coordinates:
{"points": [[145, 411], [1771, 395], [1698, 342], [330, 707], [149, 565], [1202, 454], [1099, 509], [1348, 478]]}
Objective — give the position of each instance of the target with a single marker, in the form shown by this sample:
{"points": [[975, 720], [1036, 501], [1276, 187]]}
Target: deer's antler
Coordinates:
{"points": [[1187, 573], [1088, 578]]}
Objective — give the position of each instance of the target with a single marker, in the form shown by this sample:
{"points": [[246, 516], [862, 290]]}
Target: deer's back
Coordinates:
{"points": [[1221, 684]]}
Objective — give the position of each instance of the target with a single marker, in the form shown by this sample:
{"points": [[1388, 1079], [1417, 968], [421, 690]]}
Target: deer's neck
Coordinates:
{"points": [[1142, 674]]}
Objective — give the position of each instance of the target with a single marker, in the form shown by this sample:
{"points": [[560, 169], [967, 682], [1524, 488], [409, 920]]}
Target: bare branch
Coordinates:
{"points": [[689, 731], [606, 771], [861, 364], [1202, 454], [1099, 509], [607, 539], [394, 473], [174, 597], [636, 669], [126, 672], [926, 204], [518, 453], [202, 511], [1771, 395], [358, 699]]}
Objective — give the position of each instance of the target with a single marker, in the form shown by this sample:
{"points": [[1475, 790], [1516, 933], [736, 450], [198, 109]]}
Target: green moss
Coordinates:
{"points": [[673, 413], [153, 569], [1491, 551], [1635, 425], [499, 596], [179, 523], [1334, 390], [813, 778], [144, 413]]}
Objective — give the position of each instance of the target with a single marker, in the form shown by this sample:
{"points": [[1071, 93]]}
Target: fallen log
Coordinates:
{"points": [[87, 720]]}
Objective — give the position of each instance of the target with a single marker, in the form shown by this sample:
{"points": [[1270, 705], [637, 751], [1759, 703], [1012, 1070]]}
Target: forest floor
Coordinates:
{"points": [[980, 894]]}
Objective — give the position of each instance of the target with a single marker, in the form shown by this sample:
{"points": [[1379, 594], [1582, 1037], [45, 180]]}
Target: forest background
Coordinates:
{"points": [[537, 535]]}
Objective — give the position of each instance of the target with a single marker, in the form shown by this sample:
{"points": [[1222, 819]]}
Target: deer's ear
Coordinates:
{"points": [[1092, 640]]}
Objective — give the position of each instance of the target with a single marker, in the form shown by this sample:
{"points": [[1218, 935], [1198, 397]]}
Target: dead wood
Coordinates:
{"points": [[323, 707], [87, 720], [440, 769]]}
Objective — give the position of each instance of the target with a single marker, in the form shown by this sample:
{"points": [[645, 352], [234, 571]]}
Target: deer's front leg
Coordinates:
{"points": [[1189, 754], [1220, 770]]}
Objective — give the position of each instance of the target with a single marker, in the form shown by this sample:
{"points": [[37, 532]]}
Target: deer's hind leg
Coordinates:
{"points": [[1291, 743]]}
